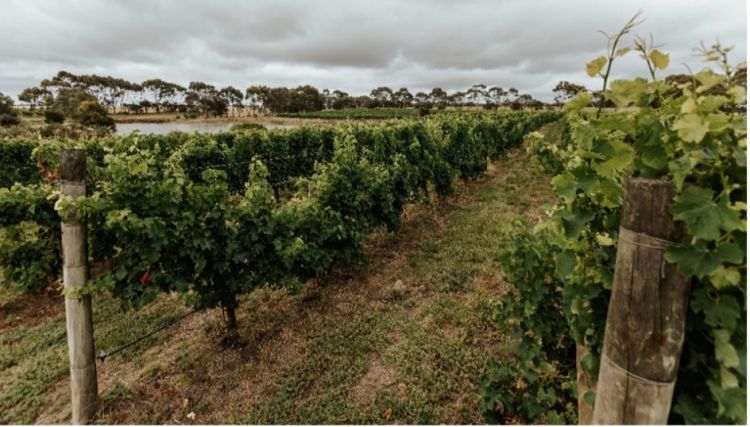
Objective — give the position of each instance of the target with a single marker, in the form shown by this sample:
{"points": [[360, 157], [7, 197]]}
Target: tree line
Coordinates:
{"points": [[90, 98], [64, 92]]}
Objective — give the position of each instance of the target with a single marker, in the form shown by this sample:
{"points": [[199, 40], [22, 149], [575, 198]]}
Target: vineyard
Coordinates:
{"points": [[501, 308], [210, 218]]}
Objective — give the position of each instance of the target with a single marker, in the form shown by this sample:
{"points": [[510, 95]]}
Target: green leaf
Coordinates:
{"points": [[627, 92], [697, 260], [708, 79], [620, 158], [578, 102], [682, 167], [724, 350], [575, 221], [738, 93], [705, 218], [728, 379], [691, 127], [660, 60], [725, 277], [565, 185], [565, 262], [721, 311], [594, 67]]}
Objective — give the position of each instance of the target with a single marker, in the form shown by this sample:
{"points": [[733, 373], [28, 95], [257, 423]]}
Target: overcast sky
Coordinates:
{"points": [[350, 45]]}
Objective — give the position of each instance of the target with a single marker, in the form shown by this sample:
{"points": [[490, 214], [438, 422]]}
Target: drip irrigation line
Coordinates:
{"points": [[103, 355]]}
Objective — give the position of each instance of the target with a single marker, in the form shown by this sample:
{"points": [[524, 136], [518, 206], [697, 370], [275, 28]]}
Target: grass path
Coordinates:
{"points": [[403, 340]]}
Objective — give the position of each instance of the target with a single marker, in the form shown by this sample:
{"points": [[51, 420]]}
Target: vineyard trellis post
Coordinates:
{"points": [[78, 315], [645, 326]]}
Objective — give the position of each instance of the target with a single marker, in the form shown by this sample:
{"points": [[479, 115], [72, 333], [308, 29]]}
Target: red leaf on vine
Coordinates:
{"points": [[145, 278]]}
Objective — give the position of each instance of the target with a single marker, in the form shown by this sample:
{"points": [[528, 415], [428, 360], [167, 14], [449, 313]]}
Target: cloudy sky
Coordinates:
{"points": [[350, 45]]}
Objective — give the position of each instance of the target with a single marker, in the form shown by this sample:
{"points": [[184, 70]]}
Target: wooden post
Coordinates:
{"points": [[646, 317], [78, 317]]}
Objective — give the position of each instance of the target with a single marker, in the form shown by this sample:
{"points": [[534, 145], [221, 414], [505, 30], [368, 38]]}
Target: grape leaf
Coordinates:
{"points": [[697, 260], [595, 66], [705, 218], [659, 59], [691, 127], [725, 351]]}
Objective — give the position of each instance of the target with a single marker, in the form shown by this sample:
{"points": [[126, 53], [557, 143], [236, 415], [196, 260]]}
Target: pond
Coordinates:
{"points": [[164, 128]]}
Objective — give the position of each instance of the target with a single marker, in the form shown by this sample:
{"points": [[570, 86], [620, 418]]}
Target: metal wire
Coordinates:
{"points": [[104, 354]]}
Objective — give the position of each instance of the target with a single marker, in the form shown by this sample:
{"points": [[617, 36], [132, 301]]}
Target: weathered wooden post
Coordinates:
{"points": [[78, 317], [646, 318]]}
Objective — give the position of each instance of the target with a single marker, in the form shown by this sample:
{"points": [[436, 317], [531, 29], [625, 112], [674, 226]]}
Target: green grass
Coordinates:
{"points": [[33, 360], [443, 337]]}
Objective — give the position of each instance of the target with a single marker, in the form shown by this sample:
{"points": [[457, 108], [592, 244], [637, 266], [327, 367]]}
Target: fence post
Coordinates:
{"points": [[646, 317], [78, 317]]}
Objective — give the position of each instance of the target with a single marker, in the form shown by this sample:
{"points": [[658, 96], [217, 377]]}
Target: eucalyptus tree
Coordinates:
{"points": [[403, 97], [383, 95], [205, 98], [8, 114], [35, 96], [438, 97], [342, 100], [477, 94], [566, 90], [497, 95], [233, 97], [257, 96], [159, 93], [457, 98]]}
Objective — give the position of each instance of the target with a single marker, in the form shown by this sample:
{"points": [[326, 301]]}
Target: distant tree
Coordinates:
{"points": [[204, 98], [257, 96], [422, 98], [342, 100], [92, 114], [278, 100], [35, 96], [8, 114], [160, 93], [403, 97], [438, 98], [305, 98], [477, 94], [328, 99], [457, 98], [566, 90], [109, 91], [68, 99], [233, 97], [497, 96], [526, 101], [365, 101], [383, 95], [62, 79], [285, 100]]}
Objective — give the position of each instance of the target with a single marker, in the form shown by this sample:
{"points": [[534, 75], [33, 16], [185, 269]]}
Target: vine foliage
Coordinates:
{"points": [[693, 134]]}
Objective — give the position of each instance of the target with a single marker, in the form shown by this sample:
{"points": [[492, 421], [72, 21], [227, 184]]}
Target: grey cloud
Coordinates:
{"points": [[351, 45]]}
